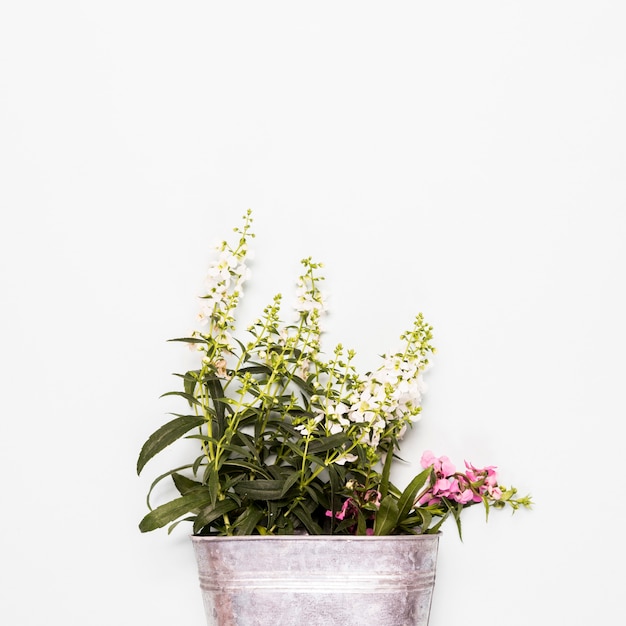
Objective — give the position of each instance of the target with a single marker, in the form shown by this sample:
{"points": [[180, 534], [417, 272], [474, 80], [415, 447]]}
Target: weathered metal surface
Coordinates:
{"points": [[317, 580]]}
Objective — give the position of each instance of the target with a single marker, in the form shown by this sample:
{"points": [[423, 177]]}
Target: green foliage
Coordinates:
{"points": [[289, 442]]}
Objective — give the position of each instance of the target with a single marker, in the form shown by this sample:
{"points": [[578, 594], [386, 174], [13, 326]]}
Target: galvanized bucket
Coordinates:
{"points": [[317, 580]]}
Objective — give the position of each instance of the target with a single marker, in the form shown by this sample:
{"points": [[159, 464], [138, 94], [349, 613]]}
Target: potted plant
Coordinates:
{"points": [[293, 461]]}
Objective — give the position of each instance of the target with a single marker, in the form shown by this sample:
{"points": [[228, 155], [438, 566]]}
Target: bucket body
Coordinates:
{"points": [[311, 580]]}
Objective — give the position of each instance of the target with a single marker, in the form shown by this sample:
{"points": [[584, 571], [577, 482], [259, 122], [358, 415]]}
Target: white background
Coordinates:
{"points": [[465, 159]]}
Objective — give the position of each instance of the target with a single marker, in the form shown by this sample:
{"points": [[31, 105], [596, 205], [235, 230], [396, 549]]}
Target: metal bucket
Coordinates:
{"points": [[324, 580]]}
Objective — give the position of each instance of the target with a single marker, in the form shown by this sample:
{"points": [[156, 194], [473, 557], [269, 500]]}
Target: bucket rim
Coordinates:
{"points": [[319, 538]]}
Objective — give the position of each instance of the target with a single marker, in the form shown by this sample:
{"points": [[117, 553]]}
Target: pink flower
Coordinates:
{"points": [[466, 489], [447, 468], [428, 500], [465, 496], [442, 465], [428, 459], [372, 495], [488, 474], [340, 515], [454, 486], [495, 492], [442, 486]]}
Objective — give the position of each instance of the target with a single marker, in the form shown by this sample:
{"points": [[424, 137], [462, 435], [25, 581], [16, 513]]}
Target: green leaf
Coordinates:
{"points": [[316, 460], [158, 479], [184, 484], [171, 527], [346, 527], [164, 436], [172, 510], [211, 513], [290, 481], [387, 516], [233, 449], [190, 381], [261, 489], [308, 389], [384, 481], [336, 479], [486, 503], [305, 517], [247, 521], [420, 519], [189, 397], [198, 463], [214, 484], [327, 443], [214, 386], [299, 452], [446, 509], [275, 471], [407, 499], [248, 442], [255, 369], [189, 340], [437, 526], [246, 465], [456, 512], [361, 523]]}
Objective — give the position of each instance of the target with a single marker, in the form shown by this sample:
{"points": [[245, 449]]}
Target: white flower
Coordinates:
{"points": [[304, 428], [305, 303], [242, 276], [228, 268], [346, 458], [220, 270], [209, 306], [335, 420], [310, 426], [309, 298], [304, 369], [361, 411]]}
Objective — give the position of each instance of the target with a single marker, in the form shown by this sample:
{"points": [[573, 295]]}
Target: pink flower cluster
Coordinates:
{"points": [[351, 508], [466, 488]]}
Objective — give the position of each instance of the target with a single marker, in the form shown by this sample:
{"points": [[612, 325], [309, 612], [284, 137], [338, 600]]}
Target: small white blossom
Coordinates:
{"points": [[346, 458]]}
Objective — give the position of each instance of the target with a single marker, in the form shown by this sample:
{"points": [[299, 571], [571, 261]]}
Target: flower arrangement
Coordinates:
{"points": [[292, 442]]}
